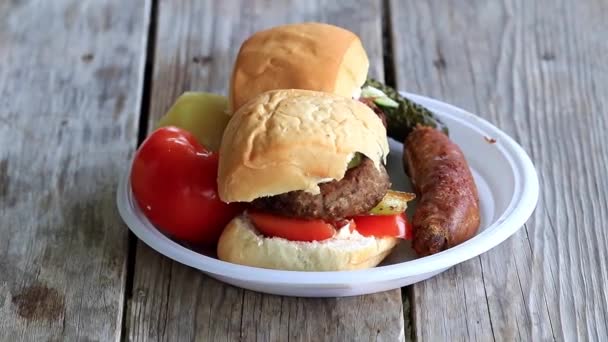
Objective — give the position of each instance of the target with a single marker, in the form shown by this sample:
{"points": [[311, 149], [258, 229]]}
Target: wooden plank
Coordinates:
{"points": [[196, 45], [534, 68], [70, 83]]}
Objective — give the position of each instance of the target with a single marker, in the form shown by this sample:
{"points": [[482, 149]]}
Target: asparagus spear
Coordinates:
{"points": [[402, 115]]}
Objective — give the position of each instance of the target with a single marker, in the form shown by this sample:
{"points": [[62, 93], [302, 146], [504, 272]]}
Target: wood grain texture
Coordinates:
{"points": [[70, 80], [537, 70], [196, 45]]}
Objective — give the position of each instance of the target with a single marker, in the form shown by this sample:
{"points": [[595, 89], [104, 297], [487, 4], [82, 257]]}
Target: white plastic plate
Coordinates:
{"points": [[508, 191]]}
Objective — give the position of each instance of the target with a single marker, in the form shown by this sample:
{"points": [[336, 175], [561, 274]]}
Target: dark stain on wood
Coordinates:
{"points": [[87, 57], [60, 135], [202, 59], [547, 56], [4, 179], [119, 105], [439, 62], [39, 302], [63, 174]]}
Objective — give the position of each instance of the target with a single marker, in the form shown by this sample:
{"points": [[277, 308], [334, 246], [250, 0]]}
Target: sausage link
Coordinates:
{"points": [[447, 213]]}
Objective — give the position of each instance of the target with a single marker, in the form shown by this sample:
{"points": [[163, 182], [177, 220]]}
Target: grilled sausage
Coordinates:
{"points": [[447, 213]]}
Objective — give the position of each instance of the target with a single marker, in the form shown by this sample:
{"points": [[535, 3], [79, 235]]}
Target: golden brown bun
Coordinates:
{"points": [[241, 244], [287, 140], [310, 56]]}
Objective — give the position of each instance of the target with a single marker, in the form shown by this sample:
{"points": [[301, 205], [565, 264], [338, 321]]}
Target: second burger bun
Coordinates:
{"points": [[310, 56], [288, 140], [240, 243]]}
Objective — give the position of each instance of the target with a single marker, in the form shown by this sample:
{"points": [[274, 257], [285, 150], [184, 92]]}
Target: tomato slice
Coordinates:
{"points": [[290, 228], [384, 225]]}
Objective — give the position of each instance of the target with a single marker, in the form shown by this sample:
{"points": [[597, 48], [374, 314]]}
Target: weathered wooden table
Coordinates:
{"points": [[81, 82]]}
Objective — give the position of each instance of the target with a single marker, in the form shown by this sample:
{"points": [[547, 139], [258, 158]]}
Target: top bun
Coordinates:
{"points": [[311, 56], [287, 140]]}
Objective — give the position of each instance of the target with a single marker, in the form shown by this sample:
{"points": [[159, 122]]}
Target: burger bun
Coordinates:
{"points": [[241, 243]]}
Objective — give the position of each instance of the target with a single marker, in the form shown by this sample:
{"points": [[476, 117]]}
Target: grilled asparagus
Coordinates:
{"points": [[402, 115]]}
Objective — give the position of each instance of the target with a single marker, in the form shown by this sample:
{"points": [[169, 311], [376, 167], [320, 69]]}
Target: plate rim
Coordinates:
{"points": [[519, 210]]}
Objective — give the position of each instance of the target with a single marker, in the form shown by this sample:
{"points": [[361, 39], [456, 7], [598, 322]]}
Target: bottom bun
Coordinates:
{"points": [[241, 243]]}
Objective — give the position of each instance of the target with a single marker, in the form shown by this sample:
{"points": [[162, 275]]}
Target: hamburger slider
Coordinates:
{"points": [[311, 166], [310, 56], [306, 156]]}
